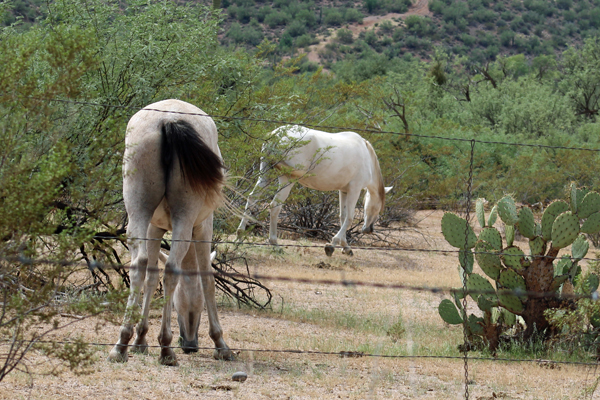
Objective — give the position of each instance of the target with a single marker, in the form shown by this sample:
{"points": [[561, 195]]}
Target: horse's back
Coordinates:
{"points": [[145, 179], [328, 161]]}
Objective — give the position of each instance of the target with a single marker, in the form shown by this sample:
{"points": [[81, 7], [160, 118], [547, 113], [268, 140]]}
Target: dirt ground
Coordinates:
{"points": [[326, 318]]}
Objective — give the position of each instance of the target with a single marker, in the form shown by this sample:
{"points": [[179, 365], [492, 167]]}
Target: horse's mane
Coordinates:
{"points": [[378, 175]]}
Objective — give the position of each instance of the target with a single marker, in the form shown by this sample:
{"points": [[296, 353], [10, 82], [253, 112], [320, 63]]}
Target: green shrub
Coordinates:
{"points": [[296, 28], [455, 12], [352, 15], [277, 18], [371, 37], [507, 16], [507, 38], [303, 41], [333, 17], [418, 25], [396, 6], [386, 27], [344, 36], [372, 5], [467, 39]]}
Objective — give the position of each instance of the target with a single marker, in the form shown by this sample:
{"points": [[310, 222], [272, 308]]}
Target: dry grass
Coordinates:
{"points": [[323, 318]]}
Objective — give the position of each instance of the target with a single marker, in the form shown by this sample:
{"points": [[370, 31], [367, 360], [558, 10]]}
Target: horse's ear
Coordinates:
{"points": [[388, 189], [213, 255]]}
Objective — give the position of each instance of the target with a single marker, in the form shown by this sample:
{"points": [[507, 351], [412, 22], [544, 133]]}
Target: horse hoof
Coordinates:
{"points": [[348, 251], [168, 357], [329, 250], [140, 348], [223, 354], [117, 356]]}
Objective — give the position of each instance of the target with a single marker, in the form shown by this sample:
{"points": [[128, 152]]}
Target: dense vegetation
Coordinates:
{"points": [[481, 29]]}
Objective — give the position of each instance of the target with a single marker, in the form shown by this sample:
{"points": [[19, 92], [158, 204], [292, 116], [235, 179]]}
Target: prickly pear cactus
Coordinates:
{"points": [[508, 272]]}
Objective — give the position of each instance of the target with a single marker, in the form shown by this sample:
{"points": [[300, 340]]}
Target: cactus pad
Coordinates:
{"points": [[508, 210], [458, 295], [573, 197], [552, 211], [478, 283], [537, 246], [526, 223], [480, 211], [565, 230], [492, 236], [591, 224], [511, 280], [488, 261], [511, 303], [591, 283], [580, 247], [557, 282], [509, 318], [562, 266], [475, 324], [493, 216], [449, 312], [509, 232], [589, 205], [514, 258], [454, 229], [466, 260], [486, 303]]}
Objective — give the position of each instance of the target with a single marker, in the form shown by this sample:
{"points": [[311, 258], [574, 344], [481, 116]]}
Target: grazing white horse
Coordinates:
{"points": [[324, 161], [172, 180]]}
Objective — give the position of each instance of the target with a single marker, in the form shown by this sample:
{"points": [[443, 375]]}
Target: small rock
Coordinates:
{"points": [[240, 376]]}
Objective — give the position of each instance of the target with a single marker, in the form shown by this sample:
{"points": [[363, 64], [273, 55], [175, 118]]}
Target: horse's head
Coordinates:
{"points": [[373, 206], [188, 300]]}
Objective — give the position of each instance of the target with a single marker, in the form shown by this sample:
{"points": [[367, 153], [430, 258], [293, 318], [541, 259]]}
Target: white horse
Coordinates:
{"points": [[172, 180], [324, 161]]}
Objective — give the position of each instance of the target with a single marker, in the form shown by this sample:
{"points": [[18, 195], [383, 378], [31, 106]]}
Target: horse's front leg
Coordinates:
{"points": [[330, 248], [140, 344], [347, 206], [258, 188], [285, 187]]}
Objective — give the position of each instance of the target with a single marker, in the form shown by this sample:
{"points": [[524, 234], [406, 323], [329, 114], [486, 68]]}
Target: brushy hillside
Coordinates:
{"points": [[480, 29], [336, 30]]}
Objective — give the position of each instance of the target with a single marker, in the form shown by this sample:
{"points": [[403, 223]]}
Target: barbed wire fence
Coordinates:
{"points": [[347, 283]]}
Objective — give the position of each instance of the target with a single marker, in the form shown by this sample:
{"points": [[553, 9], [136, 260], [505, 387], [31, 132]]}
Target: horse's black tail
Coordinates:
{"points": [[200, 167]]}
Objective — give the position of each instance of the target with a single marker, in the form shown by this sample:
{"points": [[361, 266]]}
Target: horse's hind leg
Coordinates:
{"points": [[136, 231], [182, 233], [204, 234], [140, 344]]}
